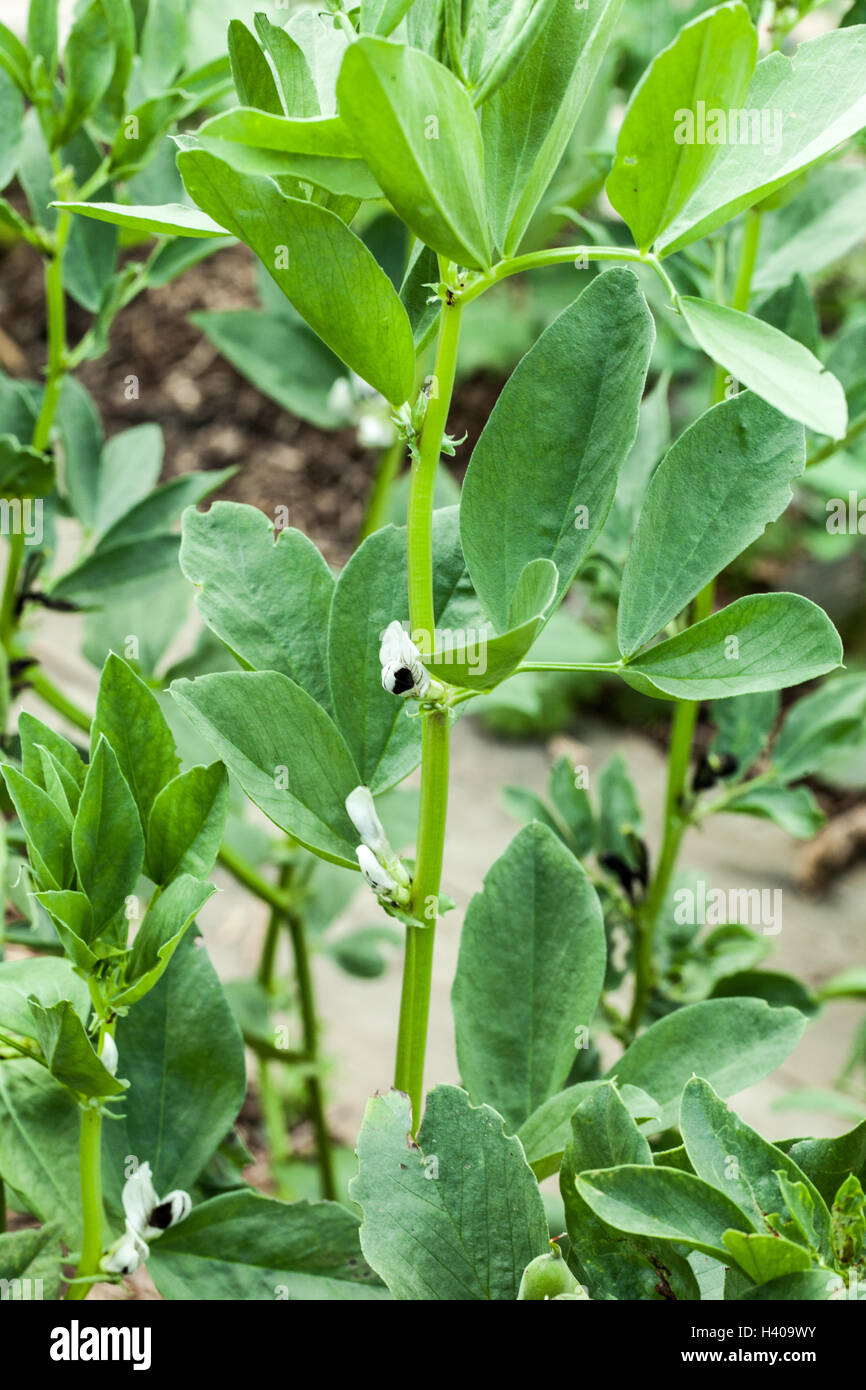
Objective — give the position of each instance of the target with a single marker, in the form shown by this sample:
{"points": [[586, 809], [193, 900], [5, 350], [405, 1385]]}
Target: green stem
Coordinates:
{"points": [[570, 666], [346, 25], [243, 871], [10, 586], [56, 307], [418, 964], [748, 257], [315, 1097], [274, 1117], [561, 255], [94, 183], [676, 820], [387, 470], [48, 691], [269, 951], [685, 717], [91, 1202], [834, 445], [272, 1106], [732, 793], [423, 480]]}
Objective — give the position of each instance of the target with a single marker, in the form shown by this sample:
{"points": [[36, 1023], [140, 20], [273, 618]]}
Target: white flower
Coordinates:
{"points": [[362, 813], [126, 1254], [147, 1216], [340, 398], [374, 432], [378, 878], [357, 403], [403, 672], [108, 1055], [147, 1213]]}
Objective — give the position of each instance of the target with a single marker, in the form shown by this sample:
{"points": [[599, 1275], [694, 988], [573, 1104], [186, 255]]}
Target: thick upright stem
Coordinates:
{"points": [[91, 1202], [423, 480], [418, 963]]}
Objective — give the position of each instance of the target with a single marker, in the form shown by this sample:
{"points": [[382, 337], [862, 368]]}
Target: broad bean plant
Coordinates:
{"points": [[334, 689]]}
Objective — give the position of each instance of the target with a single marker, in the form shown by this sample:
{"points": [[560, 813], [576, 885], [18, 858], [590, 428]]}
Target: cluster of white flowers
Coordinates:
{"points": [[382, 868], [147, 1216]]}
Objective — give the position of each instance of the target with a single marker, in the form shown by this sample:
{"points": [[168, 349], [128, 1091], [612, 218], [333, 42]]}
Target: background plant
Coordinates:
{"points": [[123, 80]]}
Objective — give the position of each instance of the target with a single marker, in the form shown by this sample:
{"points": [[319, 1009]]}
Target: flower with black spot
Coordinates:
{"points": [[147, 1216], [403, 671]]}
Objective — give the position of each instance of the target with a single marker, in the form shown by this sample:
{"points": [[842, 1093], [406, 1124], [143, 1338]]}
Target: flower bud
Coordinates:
{"points": [[361, 810], [108, 1055]]}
